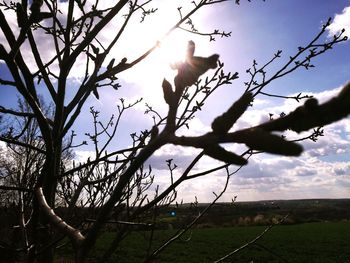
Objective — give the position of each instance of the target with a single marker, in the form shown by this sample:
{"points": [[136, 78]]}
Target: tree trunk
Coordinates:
{"points": [[49, 183]]}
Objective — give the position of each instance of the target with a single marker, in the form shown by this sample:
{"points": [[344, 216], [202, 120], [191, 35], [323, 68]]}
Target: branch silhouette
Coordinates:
{"points": [[118, 183]]}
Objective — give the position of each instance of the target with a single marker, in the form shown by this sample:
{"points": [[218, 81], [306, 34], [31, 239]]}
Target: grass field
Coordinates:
{"points": [[311, 242]]}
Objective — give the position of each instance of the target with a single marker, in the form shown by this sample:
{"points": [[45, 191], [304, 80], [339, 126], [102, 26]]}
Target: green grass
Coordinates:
{"points": [[312, 242]]}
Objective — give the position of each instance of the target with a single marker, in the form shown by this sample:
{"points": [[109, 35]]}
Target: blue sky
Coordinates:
{"points": [[259, 29]]}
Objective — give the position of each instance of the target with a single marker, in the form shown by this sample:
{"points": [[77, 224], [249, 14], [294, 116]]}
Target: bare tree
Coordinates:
{"points": [[20, 163], [116, 185]]}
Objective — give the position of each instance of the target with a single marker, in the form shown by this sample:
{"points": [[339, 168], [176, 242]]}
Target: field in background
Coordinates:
{"points": [[310, 242], [316, 231]]}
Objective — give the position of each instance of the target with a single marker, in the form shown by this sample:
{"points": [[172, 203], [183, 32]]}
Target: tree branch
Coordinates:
{"points": [[74, 234]]}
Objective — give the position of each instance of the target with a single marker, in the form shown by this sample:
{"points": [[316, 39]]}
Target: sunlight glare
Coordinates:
{"points": [[171, 50], [157, 66]]}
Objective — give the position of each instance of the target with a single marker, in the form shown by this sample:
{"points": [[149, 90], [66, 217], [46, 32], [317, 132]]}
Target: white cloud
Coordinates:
{"points": [[148, 74], [263, 178], [341, 21], [153, 29], [81, 156], [181, 156], [335, 141], [11, 19], [196, 127], [299, 178], [2, 145], [318, 173]]}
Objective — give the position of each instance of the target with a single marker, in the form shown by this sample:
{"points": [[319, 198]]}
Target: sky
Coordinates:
{"points": [[258, 29]]}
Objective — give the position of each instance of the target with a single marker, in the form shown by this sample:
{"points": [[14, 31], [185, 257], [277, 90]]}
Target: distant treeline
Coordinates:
{"points": [[221, 214], [263, 212]]}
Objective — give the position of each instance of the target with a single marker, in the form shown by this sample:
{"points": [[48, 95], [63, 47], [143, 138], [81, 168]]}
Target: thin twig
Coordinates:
{"points": [[253, 241]]}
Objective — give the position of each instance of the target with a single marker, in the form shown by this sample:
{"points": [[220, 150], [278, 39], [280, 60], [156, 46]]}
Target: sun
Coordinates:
{"points": [[170, 48], [173, 48], [157, 66], [150, 72]]}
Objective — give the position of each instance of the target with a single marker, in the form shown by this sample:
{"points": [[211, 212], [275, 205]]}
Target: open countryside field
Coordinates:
{"points": [[310, 242]]}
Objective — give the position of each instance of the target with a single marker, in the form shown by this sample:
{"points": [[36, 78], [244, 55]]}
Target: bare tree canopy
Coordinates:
{"points": [[56, 198]]}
